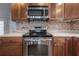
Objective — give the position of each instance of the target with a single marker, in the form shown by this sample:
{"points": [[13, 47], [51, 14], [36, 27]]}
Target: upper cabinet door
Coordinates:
{"points": [[15, 11], [60, 11], [18, 11], [23, 11], [52, 11], [71, 10]]}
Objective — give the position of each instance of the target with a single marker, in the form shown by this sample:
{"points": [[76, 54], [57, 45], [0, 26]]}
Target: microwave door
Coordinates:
{"points": [[35, 12]]}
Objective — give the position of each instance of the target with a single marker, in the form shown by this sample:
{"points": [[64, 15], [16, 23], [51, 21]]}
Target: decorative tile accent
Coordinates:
{"points": [[76, 26]]}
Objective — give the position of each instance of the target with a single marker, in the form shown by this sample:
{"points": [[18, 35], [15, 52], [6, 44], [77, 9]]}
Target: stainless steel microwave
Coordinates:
{"points": [[38, 12]]}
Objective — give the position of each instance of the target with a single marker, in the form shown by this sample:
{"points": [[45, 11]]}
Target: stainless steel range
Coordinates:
{"points": [[37, 44]]}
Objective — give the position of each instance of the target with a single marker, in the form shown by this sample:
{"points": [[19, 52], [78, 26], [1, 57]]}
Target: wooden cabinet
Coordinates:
{"points": [[75, 46], [71, 10], [68, 46], [18, 11], [60, 11], [61, 46], [0, 46], [23, 11], [52, 11], [63, 11], [15, 11], [11, 46]]}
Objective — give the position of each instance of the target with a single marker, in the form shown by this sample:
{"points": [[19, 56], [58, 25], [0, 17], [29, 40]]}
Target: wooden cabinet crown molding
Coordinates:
{"points": [[38, 4]]}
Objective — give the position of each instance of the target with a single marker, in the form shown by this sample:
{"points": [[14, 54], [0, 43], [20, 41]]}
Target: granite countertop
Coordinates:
{"points": [[54, 34], [66, 34], [13, 34]]}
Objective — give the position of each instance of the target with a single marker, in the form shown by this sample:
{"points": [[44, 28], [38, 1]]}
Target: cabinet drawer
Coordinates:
{"points": [[12, 50], [11, 41], [59, 42]]}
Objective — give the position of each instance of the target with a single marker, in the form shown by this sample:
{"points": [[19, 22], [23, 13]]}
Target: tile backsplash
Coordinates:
{"points": [[51, 26]]}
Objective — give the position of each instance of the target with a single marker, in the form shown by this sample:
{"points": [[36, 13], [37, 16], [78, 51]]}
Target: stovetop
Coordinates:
{"points": [[37, 35]]}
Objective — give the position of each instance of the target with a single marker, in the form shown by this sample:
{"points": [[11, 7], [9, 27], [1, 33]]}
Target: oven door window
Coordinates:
{"points": [[38, 50]]}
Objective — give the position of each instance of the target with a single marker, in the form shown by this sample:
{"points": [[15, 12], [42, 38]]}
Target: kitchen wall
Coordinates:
{"points": [[4, 16]]}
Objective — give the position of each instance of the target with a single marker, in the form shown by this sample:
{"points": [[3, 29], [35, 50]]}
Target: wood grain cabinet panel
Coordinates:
{"points": [[52, 11], [15, 12], [12, 41], [62, 46], [60, 11], [68, 46], [18, 11], [75, 46], [23, 11], [72, 46], [59, 45], [11, 51], [11, 46], [71, 10], [0, 46]]}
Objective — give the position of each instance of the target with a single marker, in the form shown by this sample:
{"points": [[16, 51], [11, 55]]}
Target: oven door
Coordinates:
{"points": [[38, 48]]}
